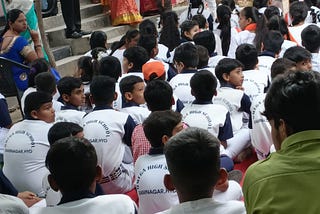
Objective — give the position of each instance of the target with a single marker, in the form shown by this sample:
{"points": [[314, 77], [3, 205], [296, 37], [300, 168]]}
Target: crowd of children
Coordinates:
{"points": [[167, 115]]}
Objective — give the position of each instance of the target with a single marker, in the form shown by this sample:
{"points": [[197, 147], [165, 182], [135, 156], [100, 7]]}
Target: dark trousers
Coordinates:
{"points": [[71, 15]]}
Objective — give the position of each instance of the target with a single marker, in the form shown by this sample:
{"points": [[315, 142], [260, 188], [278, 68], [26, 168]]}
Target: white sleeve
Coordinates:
{"points": [[233, 44], [212, 7]]}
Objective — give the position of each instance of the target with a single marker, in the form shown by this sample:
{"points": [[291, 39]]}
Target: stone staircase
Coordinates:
{"points": [[68, 51]]}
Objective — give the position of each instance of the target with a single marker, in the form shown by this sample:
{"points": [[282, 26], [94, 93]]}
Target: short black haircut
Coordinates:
{"points": [[36, 67], [45, 82], [200, 19], [281, 66], [137, 56], [148, 42], [34, 101], [297, 54], [311, 38], [160, 123], [206, 39], [70, 159], [193, 159], [98, 39], [187, 54], [203, 56], [247, 54], [186, 26], [63, 129], [298, 11], [260, 3], [127, 83], [272, 41], [158, 95], [225, 66], [295, 98], [203, 85], [147, 27], [271, 11], [110, 66], [102, 89], [67, 84]]}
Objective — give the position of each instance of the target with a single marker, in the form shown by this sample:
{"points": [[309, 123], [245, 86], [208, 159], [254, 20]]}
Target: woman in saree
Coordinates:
{"points": [[124, 12]]}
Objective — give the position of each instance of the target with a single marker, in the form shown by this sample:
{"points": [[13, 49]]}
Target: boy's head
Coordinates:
{"points": [[247, 54], [150, 43], [110, 66], [134, 58], [298, 11], [161, 125], [311, 38], [153, 70], [102, 89], [229, 71], [201, 20], [71, 91], [36, 67], [147, 27], [64, 129], [206, 39], [203, 56], [158, 95], [132, 88], [193, 159], [300, 56], [186, 57], [38, 106], [203, 85], [272, 41], [271, 11], [46, 82], [188, 29], [281, 66], [70, 159]]}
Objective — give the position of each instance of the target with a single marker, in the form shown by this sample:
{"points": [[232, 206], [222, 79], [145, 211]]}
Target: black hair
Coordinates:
{"points": [[102, 89], [294, 98], [279, 24], [147, 27], [281, 66], [229, 3], [12, 16], [148, 42], [45, 82], [71, 158], [203, 56], [137, 56], [130, 34], [193, 159], [160, 123], [169, 35], [247, 54], [225, 66], [63, 129], [127, 84], [200, 19], [36, 67], [260, 3], [158, 95], [186, 26], [85, 63], [67, 84], [187, 54], [98, 39], [311, 38], [272, 41], [206, 39], [298, 11], [203, 85], [110, 66], [224, 16], [260, 20], [297, 54], [271, 11], [34, 101]]}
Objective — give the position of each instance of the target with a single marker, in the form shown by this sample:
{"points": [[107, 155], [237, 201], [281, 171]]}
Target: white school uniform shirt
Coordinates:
{"points": [[296, 32], [26, 147], [255, 82], [234, 192], [261, 130], [162, 53], [212, 70], [10, 204], [214, 60], [265, 63], [24, 95], [286, 45], [181, 87], [119, 54], [108, 204], [117, 104], [105, 130], [153, 195], [238, 39], [207, 206], [3, 132], [138, 113], [315, 62], [70, 115]]}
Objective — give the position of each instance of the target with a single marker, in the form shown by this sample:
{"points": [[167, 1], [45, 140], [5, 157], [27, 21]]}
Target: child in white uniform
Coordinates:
{"points": [[5, 124], [311, 41], [300, 56]]}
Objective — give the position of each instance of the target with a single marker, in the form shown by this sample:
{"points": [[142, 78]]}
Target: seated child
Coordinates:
{"points": [[27, 144], [151, 167], [5, 124], [110, 133], [193, 161], [75, 156], [300, 56], [133, 59], [132, 88], [311, 41], [229, 72], [72, 95], [188, 30]]}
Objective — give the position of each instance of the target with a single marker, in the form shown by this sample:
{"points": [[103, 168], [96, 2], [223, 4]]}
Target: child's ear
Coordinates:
{"points": [[115, 96], [128, 96], [65, 98], [225, 76], [187, 34], [222, 183], [98, 173], [249, 20], [167, 181], [34, 114], [165, 139], [130, 66], [53, 183]]}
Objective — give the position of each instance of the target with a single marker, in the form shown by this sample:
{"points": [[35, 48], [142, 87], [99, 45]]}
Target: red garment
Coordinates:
{"points": [[124, 12], [140, 144]]}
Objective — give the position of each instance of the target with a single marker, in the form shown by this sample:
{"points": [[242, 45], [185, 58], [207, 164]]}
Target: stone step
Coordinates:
{"points": [[61, 52]]}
